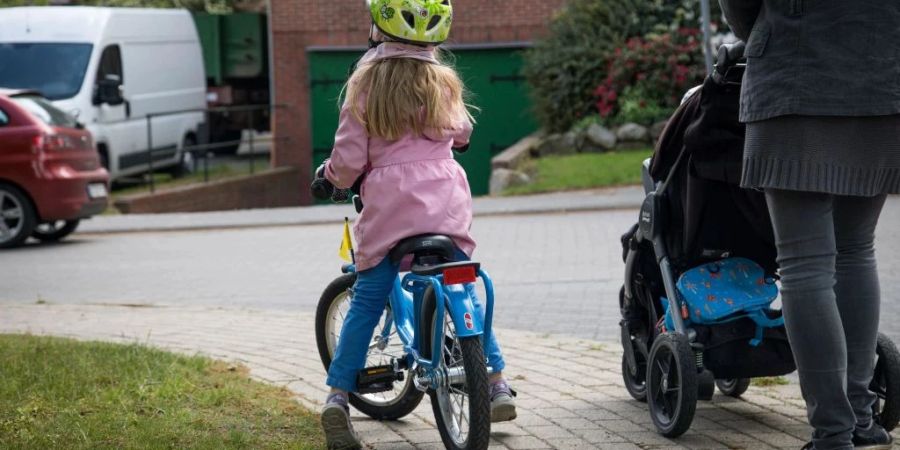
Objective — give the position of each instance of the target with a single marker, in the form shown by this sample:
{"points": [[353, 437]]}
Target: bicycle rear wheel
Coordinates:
{"points": [[462, 410], [333, 307]]}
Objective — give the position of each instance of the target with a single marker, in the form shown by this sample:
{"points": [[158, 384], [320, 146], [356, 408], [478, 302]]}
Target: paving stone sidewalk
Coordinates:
{"points": [[570, 390]]}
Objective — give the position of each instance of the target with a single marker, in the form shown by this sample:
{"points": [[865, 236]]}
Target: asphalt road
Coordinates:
{"points": [[553, 273]]}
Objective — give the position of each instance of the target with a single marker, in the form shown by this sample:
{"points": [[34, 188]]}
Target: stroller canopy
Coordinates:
{"points": [[709, 215]]}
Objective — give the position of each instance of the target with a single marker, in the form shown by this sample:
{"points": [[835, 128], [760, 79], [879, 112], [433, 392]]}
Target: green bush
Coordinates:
{"points": [[634, 106], [565, 68], [662, 16]]}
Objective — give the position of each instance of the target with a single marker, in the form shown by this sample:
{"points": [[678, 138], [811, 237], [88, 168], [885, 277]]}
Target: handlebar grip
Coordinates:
{"points": [[321, 189], [729, 55]]}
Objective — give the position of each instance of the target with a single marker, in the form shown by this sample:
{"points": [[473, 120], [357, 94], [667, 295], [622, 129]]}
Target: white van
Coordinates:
{"points": [[113, 67]]}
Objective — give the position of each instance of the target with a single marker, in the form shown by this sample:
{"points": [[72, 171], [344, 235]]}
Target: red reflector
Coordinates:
{"points": [[459, 275]]}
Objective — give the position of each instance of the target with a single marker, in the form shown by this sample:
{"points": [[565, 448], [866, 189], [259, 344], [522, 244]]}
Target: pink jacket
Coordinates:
{"points": [[412, 185]]}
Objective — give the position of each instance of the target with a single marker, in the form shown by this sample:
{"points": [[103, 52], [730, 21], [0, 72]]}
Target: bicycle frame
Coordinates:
{"points": [[406, 299]]}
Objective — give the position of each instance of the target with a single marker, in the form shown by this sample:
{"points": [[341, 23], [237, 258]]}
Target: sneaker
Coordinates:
{"points": [[339, 434], [875, 437], [503, 406]]}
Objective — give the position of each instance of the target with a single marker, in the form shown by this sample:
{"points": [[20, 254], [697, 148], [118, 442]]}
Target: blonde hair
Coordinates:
{"points": [[404, 95]]}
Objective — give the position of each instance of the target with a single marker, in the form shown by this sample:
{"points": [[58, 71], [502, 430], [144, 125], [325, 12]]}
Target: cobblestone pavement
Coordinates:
{"points": [[571, 393]]}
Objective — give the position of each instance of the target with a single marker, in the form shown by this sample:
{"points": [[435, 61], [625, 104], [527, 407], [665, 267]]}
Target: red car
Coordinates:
{"points": [[50, 172]]}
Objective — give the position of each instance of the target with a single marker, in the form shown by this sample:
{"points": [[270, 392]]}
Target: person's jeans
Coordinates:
{"points": [[831, 299], [370, 296]]}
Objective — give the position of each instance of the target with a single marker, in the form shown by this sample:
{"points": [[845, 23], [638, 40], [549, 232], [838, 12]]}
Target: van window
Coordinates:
{"points": [[54, 70], [110, 64], [45, 111]]}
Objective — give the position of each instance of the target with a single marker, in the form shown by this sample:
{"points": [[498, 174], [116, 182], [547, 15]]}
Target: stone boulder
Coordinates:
{"points": [[656, 130], [501, 179], [517, 154], [632, 132], [558, 144], [599, 137]]}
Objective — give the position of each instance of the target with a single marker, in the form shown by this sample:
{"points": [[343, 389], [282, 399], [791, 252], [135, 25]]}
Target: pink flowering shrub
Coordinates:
{"points": [[647, 77], [566, 67]]}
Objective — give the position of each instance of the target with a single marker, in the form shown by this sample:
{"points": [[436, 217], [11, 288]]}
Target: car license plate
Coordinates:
{"points": [[97, 190]]}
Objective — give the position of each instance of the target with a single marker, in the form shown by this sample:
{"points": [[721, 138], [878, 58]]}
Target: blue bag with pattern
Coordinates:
{"points": [[727, 290]]}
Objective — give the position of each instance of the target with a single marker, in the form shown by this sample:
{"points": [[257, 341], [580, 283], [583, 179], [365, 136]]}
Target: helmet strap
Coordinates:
{"points": [[372, 42]]}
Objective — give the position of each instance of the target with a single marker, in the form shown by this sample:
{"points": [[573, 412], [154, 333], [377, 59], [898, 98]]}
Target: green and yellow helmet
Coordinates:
{"points": [[424, 22]]}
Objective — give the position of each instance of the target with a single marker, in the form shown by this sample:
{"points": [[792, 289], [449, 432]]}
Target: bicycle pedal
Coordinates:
{"points": [[378, 379]]}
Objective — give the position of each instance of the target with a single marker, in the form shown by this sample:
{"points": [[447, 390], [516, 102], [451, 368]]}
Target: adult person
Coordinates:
{"points": [[821, 100]]}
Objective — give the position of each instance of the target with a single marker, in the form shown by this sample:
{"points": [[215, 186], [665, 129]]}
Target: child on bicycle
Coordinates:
{"points": [[402, 116]]}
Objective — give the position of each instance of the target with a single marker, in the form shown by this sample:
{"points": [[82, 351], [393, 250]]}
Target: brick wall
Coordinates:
{"points": [[271, 189], [298, 24]]}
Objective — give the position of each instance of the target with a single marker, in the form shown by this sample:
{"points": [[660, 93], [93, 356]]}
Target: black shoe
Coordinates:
{"points": [[808, 446], [873, 438]]}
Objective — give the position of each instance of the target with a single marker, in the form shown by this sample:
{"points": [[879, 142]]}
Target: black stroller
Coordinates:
{"points": [[697, 220]]}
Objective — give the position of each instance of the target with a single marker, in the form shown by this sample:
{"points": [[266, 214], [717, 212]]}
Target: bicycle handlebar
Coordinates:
{"points": [[323, 189]]}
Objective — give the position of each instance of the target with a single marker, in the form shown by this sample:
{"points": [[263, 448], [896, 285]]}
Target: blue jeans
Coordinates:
{"points": [[370, 295]]}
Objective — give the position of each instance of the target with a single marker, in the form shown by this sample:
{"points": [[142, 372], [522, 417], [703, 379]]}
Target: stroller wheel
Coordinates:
{"points": [[886, 384], [636, 383], [706, 386], [672, 384], [733, 387]]}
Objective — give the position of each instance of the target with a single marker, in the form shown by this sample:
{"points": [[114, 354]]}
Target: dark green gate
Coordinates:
{"points": [[491, 73]]}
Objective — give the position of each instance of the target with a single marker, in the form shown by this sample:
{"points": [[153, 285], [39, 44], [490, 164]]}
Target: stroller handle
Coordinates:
{"points": [[729, 56]]}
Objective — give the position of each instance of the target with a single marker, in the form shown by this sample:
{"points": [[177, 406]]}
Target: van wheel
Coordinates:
{"points": [[186, 163], [17, 216], [103, 153], [54, 231]]}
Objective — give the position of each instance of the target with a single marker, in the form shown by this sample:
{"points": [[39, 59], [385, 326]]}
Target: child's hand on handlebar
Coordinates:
{"points": [[323, 189]]}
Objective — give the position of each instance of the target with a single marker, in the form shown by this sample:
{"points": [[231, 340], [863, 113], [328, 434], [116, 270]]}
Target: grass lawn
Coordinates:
{"points": [[583, 171], [60, 393]]}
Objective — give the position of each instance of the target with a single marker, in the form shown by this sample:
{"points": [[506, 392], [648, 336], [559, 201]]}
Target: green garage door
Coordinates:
{"points": [[493, 76]]}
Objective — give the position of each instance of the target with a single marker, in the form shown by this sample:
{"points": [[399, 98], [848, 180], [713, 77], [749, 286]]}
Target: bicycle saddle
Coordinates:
{"points": [[427, 249]]}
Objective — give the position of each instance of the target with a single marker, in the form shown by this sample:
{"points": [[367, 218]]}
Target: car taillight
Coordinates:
{"points": [[459, 275], [37, 143], [59, 142]]}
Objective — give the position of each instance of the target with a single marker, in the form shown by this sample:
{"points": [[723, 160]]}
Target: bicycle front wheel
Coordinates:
{"points": [[461, 405], [333, 306]]}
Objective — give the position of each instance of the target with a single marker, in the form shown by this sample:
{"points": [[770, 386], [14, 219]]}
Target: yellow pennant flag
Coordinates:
{"points": [[346, 251]]}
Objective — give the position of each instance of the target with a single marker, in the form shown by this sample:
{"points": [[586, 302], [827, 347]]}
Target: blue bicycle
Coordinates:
{"points": [[429, 339]]}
